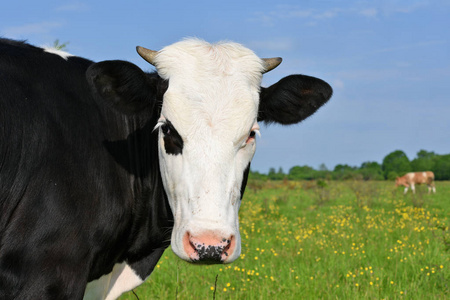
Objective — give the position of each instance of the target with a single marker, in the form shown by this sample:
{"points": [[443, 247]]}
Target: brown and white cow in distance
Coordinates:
{"points": [[413, 178]]}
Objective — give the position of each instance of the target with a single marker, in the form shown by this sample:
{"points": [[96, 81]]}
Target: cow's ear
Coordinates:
{"points": [[292, 99], [124, 86]]}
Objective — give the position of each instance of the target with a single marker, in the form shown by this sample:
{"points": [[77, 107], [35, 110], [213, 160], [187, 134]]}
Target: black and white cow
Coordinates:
{"points": [[102, 165]]}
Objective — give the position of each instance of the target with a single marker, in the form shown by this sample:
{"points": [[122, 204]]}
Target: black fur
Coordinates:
{"points": [[293, 99], [244, 180], [80, 187]]}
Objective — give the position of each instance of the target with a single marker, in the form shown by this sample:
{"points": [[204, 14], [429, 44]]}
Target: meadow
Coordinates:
{"points": [[324, 240]]}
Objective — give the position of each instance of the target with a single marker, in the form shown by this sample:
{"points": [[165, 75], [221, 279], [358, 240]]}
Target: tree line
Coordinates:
{"points": [[394, 164]]}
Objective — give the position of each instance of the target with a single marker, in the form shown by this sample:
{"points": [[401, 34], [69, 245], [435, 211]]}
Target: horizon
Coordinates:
{"points": [[321, 166], [388, 63]]}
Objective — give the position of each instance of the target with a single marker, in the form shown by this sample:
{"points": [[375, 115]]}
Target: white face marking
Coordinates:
{"points": [[212, 102], [112, 285]]}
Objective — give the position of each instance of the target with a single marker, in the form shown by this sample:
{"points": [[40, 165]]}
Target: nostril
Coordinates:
{"points": [[229, 247], [190, 247]]}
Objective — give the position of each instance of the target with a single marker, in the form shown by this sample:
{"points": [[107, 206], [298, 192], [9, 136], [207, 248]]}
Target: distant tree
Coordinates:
{"points": [[257, 175], [343, 168], [302, 173], [424, 162], [392, 175], [370, 165], [394, 164], [371, 170], [323, 167], [344, 172], [323, 172], [397, 162], [279, 175], [425, 154], [441, 167], [272, 173]]}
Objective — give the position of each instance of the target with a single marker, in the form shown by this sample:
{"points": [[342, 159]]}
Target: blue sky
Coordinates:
{"points": [[388, 62]]}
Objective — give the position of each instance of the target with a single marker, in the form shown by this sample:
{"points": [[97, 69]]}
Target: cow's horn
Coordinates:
{"points": [[271, 63], [147, 54]]}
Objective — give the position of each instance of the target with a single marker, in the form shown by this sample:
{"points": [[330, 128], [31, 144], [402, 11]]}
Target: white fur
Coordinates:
{"points": [[212, 101], [111, 286], [63, 54]]}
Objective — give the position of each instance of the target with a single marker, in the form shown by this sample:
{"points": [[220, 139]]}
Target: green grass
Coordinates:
{"points": [[324, 240]]}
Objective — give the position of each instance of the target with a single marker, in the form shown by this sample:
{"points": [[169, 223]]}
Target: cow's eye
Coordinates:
{"points": [[165, 128], [251, 136]]}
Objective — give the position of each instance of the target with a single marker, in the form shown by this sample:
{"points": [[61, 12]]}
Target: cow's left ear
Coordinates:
{"points": [[124, 86], [292, 99]]}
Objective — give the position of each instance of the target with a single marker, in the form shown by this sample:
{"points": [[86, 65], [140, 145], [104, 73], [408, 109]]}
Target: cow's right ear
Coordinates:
{"points": [[292, 99], [124, 86]]}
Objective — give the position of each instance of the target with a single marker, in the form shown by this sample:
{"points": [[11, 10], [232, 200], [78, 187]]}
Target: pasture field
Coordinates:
{"points": [[324, 240]]}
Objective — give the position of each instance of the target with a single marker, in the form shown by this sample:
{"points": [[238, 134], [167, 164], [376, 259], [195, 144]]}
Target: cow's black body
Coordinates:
{"points": [[80, 187]]}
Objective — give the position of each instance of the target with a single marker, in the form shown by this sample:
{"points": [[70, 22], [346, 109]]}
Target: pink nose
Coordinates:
{"points": [[208, 248]]}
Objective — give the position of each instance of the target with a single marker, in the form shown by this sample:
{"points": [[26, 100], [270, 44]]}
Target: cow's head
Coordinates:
{"points": [[207, 127], [400, 181]]}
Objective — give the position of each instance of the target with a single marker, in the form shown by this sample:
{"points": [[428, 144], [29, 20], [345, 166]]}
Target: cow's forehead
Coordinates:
{"points": [[213, 85], [194, 57]]}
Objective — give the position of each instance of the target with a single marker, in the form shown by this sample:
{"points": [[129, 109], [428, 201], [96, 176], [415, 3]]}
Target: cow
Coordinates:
{"points": [[413, 178], [103, 165]]}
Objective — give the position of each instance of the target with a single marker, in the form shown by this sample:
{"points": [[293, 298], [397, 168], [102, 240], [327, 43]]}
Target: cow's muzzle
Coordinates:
{"points": [[208, 248]]}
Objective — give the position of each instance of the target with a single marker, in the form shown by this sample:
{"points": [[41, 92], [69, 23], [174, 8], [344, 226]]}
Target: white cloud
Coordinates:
{"points": [[312, 23], [266, 20], [337, 84], [369, 12], [407, 8], [403, 64], [311, 16], [300, 13], [284, 12], [276, 44], [371, 75], [73, 7], [412, 46], [30, 29], [327, 14]]}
